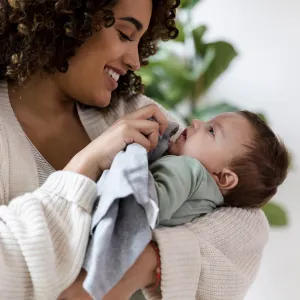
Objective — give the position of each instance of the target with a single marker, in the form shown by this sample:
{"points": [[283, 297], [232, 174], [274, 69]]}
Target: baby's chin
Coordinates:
{"points": [[173, 149]]}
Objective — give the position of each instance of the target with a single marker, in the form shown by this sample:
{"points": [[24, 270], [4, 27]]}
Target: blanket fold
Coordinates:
{"points": [[123, 217]]}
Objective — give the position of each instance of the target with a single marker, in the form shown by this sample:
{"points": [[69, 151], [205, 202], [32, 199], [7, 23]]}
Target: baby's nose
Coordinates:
{"points": [[197, 123]]}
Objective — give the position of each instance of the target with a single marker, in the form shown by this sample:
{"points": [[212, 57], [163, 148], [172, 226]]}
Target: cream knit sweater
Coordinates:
{"points": [[44, 230]]}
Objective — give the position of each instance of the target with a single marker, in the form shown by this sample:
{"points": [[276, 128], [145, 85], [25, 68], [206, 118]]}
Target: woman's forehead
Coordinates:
{"points": [[139, 10]]}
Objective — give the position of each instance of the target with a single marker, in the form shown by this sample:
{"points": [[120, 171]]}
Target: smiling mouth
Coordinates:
{"points": [[114, 75]]}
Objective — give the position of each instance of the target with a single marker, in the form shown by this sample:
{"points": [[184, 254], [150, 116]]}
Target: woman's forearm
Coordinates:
{"points": [[140, 275]]}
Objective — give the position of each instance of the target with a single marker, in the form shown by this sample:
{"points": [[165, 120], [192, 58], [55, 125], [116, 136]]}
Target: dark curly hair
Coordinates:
{"points": [[44, 34]]}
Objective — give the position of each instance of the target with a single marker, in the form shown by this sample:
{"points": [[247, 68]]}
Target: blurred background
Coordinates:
{"points": [[242, 54]]}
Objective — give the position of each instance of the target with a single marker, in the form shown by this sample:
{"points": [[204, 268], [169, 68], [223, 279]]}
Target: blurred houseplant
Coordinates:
{"points": [[184, 69]]}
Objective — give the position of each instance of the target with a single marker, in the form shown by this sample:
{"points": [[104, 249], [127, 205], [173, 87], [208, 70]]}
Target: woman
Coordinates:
{"points": [[51, 54]]}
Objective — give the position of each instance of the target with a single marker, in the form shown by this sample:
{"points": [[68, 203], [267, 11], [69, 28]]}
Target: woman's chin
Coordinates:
{"points": [[102, 100]]}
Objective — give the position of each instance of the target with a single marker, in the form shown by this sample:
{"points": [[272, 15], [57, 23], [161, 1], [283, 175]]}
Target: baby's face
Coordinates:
{"points": [[216, 142]]}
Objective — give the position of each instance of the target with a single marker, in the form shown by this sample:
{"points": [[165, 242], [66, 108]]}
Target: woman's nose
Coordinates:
{"points": [[132, 60]]}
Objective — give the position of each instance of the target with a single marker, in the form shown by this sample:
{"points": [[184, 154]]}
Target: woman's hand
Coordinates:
{"points": [[140, 275], [76, 290], [132, 128]]}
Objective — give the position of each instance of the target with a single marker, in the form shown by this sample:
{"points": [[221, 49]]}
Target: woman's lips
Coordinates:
{"points": [[112, 84]]}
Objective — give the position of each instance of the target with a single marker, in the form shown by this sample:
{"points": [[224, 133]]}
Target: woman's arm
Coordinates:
{"points": [[216, 257], [141, 274], [44, 234], [43, 237]]}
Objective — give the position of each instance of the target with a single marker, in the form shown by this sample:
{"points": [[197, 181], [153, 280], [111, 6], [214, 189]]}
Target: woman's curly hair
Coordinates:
{"points": [[44, 34]]}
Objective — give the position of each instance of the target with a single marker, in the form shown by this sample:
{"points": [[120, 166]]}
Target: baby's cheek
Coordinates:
{"points": [[172, 149]]}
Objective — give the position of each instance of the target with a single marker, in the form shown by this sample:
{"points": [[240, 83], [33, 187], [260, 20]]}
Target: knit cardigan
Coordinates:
{"points": [[44, 230]]}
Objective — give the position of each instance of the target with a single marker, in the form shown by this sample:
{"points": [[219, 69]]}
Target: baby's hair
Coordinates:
{"points": [[261, 170]]}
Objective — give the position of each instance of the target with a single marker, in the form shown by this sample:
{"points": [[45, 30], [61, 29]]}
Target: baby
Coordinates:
{"points": [[234, 160]]}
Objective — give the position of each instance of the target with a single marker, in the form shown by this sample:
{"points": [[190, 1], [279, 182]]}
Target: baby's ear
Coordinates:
{"points": [[226, 180]]}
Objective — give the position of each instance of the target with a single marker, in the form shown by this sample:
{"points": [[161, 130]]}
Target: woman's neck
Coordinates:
{"points": [[40, 97]]}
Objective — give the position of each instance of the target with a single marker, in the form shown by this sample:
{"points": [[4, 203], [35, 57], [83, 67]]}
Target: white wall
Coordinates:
{"points": [[265, 76]]}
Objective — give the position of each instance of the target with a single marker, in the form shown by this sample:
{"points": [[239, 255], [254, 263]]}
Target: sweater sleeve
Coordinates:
{"points": [[216, 257], [43, 237]]}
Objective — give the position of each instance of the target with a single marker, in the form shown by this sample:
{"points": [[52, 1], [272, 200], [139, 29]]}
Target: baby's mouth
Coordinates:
{"points": [[183, 135]]}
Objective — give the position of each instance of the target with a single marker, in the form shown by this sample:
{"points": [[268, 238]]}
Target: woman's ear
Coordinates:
{"points": [[226, 180]]}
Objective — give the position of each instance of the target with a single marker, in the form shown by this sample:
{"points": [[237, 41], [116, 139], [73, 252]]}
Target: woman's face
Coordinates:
{"points": [[95, 69]]}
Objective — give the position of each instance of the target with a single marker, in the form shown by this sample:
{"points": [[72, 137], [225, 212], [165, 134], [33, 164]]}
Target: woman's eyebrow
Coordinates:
{"points": [[137, 24]]}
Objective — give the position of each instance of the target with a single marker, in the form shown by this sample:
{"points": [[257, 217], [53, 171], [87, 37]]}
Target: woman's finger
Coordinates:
{"points": [[135, 136], [147, 112], [153, 139], [147, 129]]}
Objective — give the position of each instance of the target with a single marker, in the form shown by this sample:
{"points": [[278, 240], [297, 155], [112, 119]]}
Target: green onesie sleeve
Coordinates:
{"points": [[185, 189]]}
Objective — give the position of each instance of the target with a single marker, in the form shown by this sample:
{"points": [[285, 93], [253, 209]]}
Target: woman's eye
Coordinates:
{"points": [[211, 130], [124, 37]]}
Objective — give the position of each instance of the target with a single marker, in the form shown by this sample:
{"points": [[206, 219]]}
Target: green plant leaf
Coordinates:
{"points": [[208, 112], [168, 80], [198, 34], [224, 53], [275, 214], [204, 65], [181, 35], [188, 3]]}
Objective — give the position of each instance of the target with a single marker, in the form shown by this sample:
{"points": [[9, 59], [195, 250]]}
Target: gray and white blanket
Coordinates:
{"points": [[123, 216]]}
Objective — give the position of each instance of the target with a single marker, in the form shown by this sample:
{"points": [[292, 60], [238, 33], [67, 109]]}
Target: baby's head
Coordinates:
{"points": [[241, 152]]}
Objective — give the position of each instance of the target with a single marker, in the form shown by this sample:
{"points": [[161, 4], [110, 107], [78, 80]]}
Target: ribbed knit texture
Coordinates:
{"points": [[44, 230], [213, 258], [43, 167], [43, 236]]}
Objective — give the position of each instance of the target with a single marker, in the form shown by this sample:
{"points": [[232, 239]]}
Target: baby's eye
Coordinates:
{"points": [[211, 130]]}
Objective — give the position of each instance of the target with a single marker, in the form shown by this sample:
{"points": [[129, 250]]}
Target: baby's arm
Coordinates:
{"points": [[176, 180]]}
